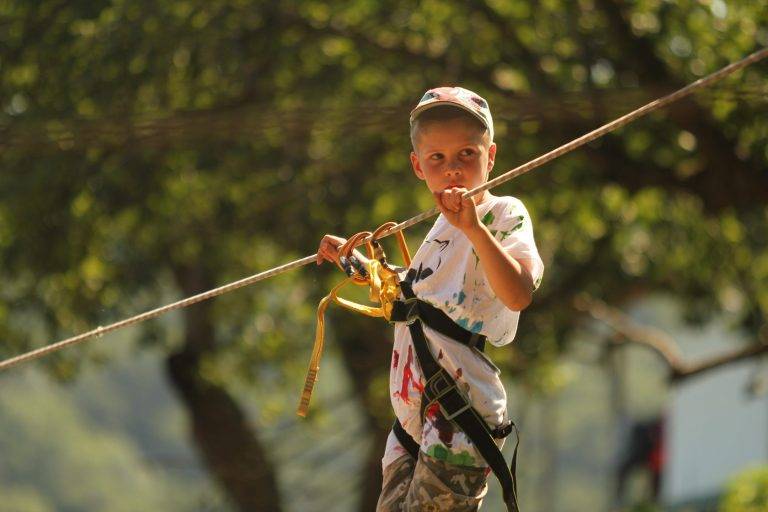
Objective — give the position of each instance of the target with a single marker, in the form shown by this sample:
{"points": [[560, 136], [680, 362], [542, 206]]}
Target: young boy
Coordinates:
{"points": [[477, 268]]}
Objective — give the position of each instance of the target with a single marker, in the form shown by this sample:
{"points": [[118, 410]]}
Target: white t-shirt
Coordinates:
{"points": [[447, 273]]}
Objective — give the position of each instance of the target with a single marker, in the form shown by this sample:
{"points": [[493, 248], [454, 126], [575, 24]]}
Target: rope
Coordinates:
{"points": [[514, 173]]}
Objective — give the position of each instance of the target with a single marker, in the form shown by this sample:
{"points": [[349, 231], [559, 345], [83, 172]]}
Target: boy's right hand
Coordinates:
{"points": [[329, 249]]}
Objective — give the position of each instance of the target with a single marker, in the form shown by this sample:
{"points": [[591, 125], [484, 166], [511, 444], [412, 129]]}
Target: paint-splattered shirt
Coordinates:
{"points": [[447, 273]]}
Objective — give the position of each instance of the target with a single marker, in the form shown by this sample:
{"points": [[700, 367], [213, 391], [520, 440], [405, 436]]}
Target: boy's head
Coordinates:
{"points": [[452, 137], [447, 103]]}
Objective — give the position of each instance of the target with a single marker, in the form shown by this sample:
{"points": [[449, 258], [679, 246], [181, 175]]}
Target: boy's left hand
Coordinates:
{"points": [[459, 212]]}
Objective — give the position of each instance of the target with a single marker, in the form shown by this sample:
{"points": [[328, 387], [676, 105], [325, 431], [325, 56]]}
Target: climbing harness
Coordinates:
{"points": [[375, 272], [440, 387], [522, 169], [385, 290]]}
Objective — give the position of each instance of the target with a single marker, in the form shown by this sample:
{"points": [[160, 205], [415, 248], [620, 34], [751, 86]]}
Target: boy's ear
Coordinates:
{"points": [[416, 166], [491, 156]]}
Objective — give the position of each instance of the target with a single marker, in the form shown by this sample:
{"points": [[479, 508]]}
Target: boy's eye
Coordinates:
{"points": [[467, 152], [436, 156]]}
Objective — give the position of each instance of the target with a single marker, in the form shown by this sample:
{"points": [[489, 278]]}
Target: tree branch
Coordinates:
{"points": [[619, 321], [661, 342]]}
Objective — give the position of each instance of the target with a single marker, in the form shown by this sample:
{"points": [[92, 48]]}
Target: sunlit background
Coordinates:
{"points": [[150, 151]]}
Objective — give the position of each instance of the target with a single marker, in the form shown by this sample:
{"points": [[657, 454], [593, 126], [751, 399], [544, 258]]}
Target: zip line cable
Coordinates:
{"points": [[522, 169]]}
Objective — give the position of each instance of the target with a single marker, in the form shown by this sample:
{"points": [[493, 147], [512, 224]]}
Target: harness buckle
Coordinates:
{"points": [[443, 389], [503, 430], [449, 415], [439, 384], [412, 313], [475, 340]]}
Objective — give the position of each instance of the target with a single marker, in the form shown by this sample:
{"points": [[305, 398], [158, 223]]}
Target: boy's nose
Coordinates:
{"points": [[453, 168]]}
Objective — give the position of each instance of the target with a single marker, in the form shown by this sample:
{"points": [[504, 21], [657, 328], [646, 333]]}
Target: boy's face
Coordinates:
{"points": [[452, 153]]}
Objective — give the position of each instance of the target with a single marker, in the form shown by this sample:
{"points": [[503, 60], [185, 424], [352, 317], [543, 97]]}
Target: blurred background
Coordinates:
{"points": [[152, 150]]}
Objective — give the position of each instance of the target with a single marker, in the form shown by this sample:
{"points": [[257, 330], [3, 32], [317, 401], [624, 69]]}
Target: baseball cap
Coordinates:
{"points": [[457, 97]]}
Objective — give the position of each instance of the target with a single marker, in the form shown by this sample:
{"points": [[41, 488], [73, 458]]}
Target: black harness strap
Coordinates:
{"points": [[441, 387], [412, 308], [411, 446]]}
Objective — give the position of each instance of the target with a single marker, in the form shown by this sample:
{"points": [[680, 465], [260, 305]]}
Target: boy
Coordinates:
{"points": [[476, 269]]}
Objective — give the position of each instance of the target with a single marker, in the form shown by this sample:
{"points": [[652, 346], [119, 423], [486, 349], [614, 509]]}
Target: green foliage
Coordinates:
{"points": [[230, 136], [152, 150], [148, 138], [57, 458], [645, 507], [747, 492]]}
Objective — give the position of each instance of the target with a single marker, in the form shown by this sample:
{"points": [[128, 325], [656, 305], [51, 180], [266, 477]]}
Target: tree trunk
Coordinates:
{"points": [[366, 346], [548, 485], [225, 440]]}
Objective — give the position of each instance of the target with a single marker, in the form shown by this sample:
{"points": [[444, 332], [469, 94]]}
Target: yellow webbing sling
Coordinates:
{"points": [[384, 286]]}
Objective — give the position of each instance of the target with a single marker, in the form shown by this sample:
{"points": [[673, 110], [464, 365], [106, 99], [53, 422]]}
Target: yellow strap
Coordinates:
{"points": [[317, 350], [376, 312], [384, 290]]}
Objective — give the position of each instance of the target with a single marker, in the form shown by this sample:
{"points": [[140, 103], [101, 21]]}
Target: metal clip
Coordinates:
{"points": [[413, 310]]}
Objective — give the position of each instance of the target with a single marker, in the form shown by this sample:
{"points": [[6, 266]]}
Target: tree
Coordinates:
{"points": [[185, 144]]}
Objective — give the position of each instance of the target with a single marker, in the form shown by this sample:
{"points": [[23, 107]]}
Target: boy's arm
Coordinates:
{"points": [[510, 279]]}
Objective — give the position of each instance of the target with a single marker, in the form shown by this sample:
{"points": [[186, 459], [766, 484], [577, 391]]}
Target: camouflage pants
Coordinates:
{"points": [[431, 485]]}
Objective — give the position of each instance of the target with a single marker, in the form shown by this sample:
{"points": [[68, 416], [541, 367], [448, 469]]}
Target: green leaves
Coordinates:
{"points": [[143, 137]]}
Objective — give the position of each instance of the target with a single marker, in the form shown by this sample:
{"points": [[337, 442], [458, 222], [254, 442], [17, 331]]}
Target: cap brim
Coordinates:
{"points": [[418, 110]]}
